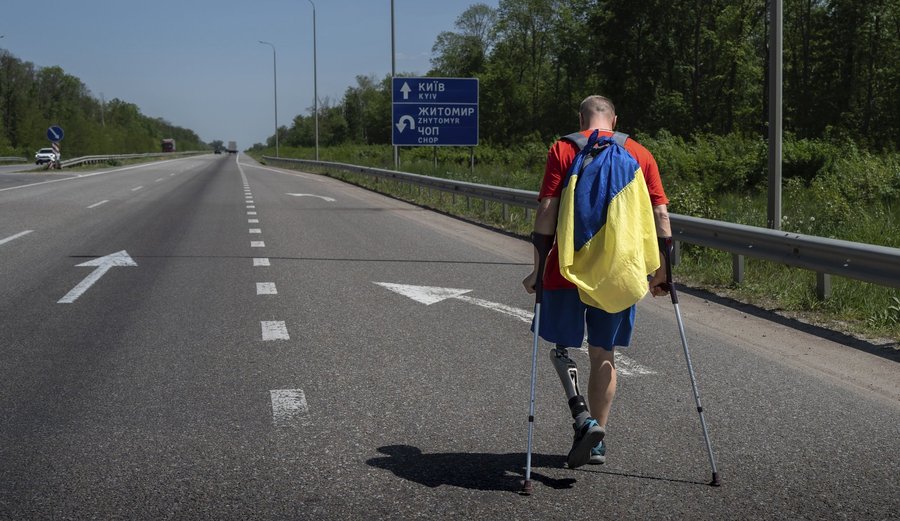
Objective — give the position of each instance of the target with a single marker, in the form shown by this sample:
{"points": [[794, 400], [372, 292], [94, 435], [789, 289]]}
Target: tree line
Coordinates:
{"points": [[685, 67], [34, 98]]}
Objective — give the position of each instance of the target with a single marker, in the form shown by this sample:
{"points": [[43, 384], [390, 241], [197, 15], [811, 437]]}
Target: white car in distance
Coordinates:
{"points": [[45, 155]]}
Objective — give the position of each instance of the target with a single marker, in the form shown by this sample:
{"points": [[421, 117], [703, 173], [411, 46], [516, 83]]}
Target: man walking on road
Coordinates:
{"points": [[564, 315]]}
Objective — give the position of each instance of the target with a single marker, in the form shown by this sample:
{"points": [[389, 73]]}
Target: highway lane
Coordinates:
{"points": [[159, 393]]}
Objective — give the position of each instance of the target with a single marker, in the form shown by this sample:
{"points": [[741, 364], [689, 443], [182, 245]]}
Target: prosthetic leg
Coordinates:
{"points": [[587, 433], [568, 376]]}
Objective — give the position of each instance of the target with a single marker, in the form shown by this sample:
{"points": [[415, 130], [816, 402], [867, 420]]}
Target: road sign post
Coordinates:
{"points": [[55, 134], [435, 111]]}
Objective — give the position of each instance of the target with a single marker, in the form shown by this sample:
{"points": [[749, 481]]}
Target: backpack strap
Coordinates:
{"points": [[580, 140]]}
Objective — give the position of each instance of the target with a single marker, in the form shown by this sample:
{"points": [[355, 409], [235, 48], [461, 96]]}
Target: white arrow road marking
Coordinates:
{"points": [[405, 90], [401, 125], [431, 295], [289, 408], [427, 295], [322, 197], [14, 237], [103, 265]]}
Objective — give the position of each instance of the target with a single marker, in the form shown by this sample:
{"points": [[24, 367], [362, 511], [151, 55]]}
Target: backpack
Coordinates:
{"points": [[606, 233]]}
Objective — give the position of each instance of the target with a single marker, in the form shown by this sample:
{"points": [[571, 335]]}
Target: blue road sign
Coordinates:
{"points": [[435, 111], [55, 133]]}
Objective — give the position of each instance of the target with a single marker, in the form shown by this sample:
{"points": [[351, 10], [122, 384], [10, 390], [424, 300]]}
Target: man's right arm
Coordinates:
{"points": [[544, 224]]}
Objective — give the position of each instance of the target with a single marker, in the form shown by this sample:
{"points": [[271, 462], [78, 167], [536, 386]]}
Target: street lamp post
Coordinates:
{"points": [[275, 81], [315, 81]]}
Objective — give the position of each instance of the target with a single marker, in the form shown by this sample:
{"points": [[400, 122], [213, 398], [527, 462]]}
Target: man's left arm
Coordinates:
{"points": [[663, 230]]}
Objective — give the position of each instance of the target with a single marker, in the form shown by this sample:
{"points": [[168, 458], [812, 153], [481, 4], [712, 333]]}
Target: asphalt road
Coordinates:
{"points": [[257, 344]]}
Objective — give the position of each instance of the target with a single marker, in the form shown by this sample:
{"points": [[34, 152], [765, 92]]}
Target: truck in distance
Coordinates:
{"points": [[232, 147]]}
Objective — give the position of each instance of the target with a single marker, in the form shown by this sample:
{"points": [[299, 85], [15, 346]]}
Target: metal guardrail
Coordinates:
{"points": [[86, 160], [866, 262], [13, 160]]}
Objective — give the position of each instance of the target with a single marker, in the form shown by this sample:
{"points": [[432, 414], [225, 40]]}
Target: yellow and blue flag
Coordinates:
{"points": [[606, 234]]}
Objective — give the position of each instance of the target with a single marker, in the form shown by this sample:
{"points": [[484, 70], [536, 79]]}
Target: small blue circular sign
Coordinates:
{"points": [[55, 133]]}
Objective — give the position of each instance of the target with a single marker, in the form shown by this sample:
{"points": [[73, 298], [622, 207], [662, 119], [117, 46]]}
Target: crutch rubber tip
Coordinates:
{"points": [[715, 481], [527, 488]]}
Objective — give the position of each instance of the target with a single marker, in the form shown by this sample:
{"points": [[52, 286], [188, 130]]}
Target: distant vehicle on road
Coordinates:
{"points": [[45, 155], [168, 145], [217, 150], [232, 147]]}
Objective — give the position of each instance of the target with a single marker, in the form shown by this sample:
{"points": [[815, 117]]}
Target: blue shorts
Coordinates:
{"points": [[564, 316]]}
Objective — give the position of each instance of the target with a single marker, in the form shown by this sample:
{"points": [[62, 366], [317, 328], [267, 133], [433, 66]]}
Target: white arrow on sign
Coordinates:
{"points": [[429, 295], [401, 126], [405, 90], [322, 197], [103, 265]]}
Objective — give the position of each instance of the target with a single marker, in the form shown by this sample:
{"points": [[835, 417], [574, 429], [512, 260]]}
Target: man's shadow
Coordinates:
{"points": [[478, 471]]}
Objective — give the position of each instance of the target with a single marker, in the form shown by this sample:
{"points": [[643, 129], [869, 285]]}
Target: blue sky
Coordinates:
{"points": [[198, 63]]}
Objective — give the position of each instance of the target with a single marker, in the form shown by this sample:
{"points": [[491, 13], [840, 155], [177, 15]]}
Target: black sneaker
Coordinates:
{"points": [[586, 438]]}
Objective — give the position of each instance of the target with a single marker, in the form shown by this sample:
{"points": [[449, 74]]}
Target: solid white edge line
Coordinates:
{"points": [[14, 237], [82, 176]]}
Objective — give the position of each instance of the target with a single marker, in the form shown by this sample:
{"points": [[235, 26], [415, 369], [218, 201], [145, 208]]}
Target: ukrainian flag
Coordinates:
{"points": [[606, 235]]}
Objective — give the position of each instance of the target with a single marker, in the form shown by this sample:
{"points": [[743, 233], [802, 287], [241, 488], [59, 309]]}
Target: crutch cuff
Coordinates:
{"points": [[542, 242], [665, 244]]}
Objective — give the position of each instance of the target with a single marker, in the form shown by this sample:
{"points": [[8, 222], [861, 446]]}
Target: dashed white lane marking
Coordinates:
{"points": [[289, 408], [160, 180], [251, 213], [274, 330], [252, 221], [255, 230], [251, 207], [136, 188], [14, 237], [257, 244], [261, 261], [171, 175], [266, 288], [98, 204]]}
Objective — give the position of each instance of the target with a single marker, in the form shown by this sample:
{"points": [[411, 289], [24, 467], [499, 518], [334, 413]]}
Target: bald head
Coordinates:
{"points": [[597, 112]]}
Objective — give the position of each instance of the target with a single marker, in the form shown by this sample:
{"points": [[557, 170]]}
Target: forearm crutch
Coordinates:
{"points": [[665, 245], [542, 243]]}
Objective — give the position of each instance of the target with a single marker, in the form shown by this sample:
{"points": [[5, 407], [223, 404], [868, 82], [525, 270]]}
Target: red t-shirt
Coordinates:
{"points": [[559, 158]]}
